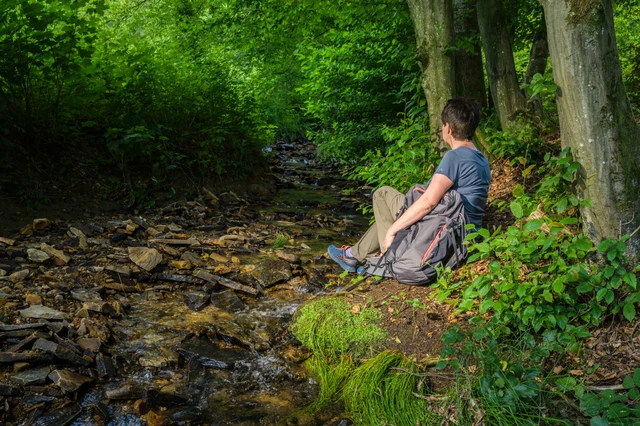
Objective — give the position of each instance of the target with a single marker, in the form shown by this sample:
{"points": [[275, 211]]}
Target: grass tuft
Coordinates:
{"points": [[381, 392], [328, 327]]}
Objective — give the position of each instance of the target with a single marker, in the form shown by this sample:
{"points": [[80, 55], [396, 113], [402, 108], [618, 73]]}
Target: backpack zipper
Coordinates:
{"points": [[433, 244]]}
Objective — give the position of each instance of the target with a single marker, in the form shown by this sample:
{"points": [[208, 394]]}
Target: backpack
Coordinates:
{"points": [[433, 241]]}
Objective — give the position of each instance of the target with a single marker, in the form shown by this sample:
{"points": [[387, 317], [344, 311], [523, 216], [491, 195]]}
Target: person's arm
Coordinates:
{"points": [[439, 185]]}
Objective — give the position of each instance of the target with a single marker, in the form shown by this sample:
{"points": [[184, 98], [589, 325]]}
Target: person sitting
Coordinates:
{"points": [[464, 168]]}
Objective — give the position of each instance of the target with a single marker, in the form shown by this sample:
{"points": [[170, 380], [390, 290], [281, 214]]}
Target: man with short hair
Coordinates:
{"points": [[464, 168]]}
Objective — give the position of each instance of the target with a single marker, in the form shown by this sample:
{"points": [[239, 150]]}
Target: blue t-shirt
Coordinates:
{"points": [[469, 171]]}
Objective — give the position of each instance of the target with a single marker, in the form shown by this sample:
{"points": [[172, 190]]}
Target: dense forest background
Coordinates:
{"points": [[153, 93]]}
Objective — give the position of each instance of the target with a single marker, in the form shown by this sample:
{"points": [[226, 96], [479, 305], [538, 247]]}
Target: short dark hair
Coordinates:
{"points": [[463, 116]]}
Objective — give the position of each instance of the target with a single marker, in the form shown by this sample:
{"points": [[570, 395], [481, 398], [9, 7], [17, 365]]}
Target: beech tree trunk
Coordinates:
{"points": [[538, 54], [469, 74], [433, 22], [501, 71], [595, 118]]}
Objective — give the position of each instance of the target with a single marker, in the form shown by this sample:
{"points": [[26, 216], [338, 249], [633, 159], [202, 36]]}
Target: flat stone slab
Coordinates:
{"points": [[35, 376], [42, 312], [272, 271], [144, 257], [85, 295], [68, 380], [209, 355], [37, 256]]}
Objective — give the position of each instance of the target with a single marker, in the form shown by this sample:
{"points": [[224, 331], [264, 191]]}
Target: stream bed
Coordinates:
{"points": [[143, 304]]}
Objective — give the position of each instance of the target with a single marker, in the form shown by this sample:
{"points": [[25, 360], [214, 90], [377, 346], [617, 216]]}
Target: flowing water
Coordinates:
{"points": [[263, 380]]}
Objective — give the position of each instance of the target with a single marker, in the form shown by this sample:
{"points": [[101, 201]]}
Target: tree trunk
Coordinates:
{"points": [[538, 54], [596, 120], [505, 89], [433, 22], [469, 75]]}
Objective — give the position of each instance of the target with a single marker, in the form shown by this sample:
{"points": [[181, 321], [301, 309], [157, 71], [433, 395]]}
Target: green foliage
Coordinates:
{"points": [[329, 327], [332, 373], [382, 391], [542, 86], [539, 274], [499, 378], [281, 241], [626, 21], [352, 75], [520, 142]]}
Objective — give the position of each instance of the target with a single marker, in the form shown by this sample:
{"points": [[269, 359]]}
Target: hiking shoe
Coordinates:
{"points": [[340, 257]]}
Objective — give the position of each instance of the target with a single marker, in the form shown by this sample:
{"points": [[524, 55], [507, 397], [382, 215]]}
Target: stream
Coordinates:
{"points": [[235, 363]]}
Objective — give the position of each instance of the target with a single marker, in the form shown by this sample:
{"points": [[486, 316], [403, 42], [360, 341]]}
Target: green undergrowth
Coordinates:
{"points": [[329, 327], [545, 288], [386, 388]]}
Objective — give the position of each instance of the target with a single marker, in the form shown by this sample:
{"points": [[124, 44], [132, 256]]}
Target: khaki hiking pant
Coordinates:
{"points": [[386, 205]]}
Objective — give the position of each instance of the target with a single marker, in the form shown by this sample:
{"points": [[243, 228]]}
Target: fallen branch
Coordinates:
{"points": [[213, 279]]}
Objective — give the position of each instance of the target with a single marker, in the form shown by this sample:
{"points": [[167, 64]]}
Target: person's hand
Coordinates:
{"points": [[386, 243]]}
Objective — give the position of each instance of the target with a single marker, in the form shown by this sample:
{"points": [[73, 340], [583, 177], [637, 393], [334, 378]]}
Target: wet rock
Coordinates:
{"points": [[8, 390], [19, 276], [100, 307], [37, 399], [210, 355], [125, 391], [60, 351], [118, 270], [67, 380], [32, 299], [316, 279], [288, 257], [35, 376], [118, 238], [7, 241], [218, 258], [82, 238], [105, 366], [180, 265], [272, 271], [162, 399], [60, 417], [196, 300], [54, 253], [141, 222], [141, 408], [102, 411], [42, 312], [32, 357], [227, 301], [86, 295], [192, 258], [157, 417], [146, 258], [37, 256], [89, 343]]}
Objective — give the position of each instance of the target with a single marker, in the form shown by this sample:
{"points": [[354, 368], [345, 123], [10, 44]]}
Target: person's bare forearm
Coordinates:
{"points": [[413, 214]]}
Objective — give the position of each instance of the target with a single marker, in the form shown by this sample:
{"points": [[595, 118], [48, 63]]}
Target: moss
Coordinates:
{"points": [[582, 11], [328, 326]]}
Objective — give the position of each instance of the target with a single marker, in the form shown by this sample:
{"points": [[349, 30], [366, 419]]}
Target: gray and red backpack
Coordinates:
{"points": [[433, 241]]}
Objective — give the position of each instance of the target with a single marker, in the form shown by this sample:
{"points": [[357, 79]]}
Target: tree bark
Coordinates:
{"points": [[469, 74], [501, 71], [596, 120], [433, 22], [538, 54]]}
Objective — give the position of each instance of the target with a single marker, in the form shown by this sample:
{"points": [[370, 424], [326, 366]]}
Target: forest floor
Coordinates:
{"points": [[129, 318]]}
